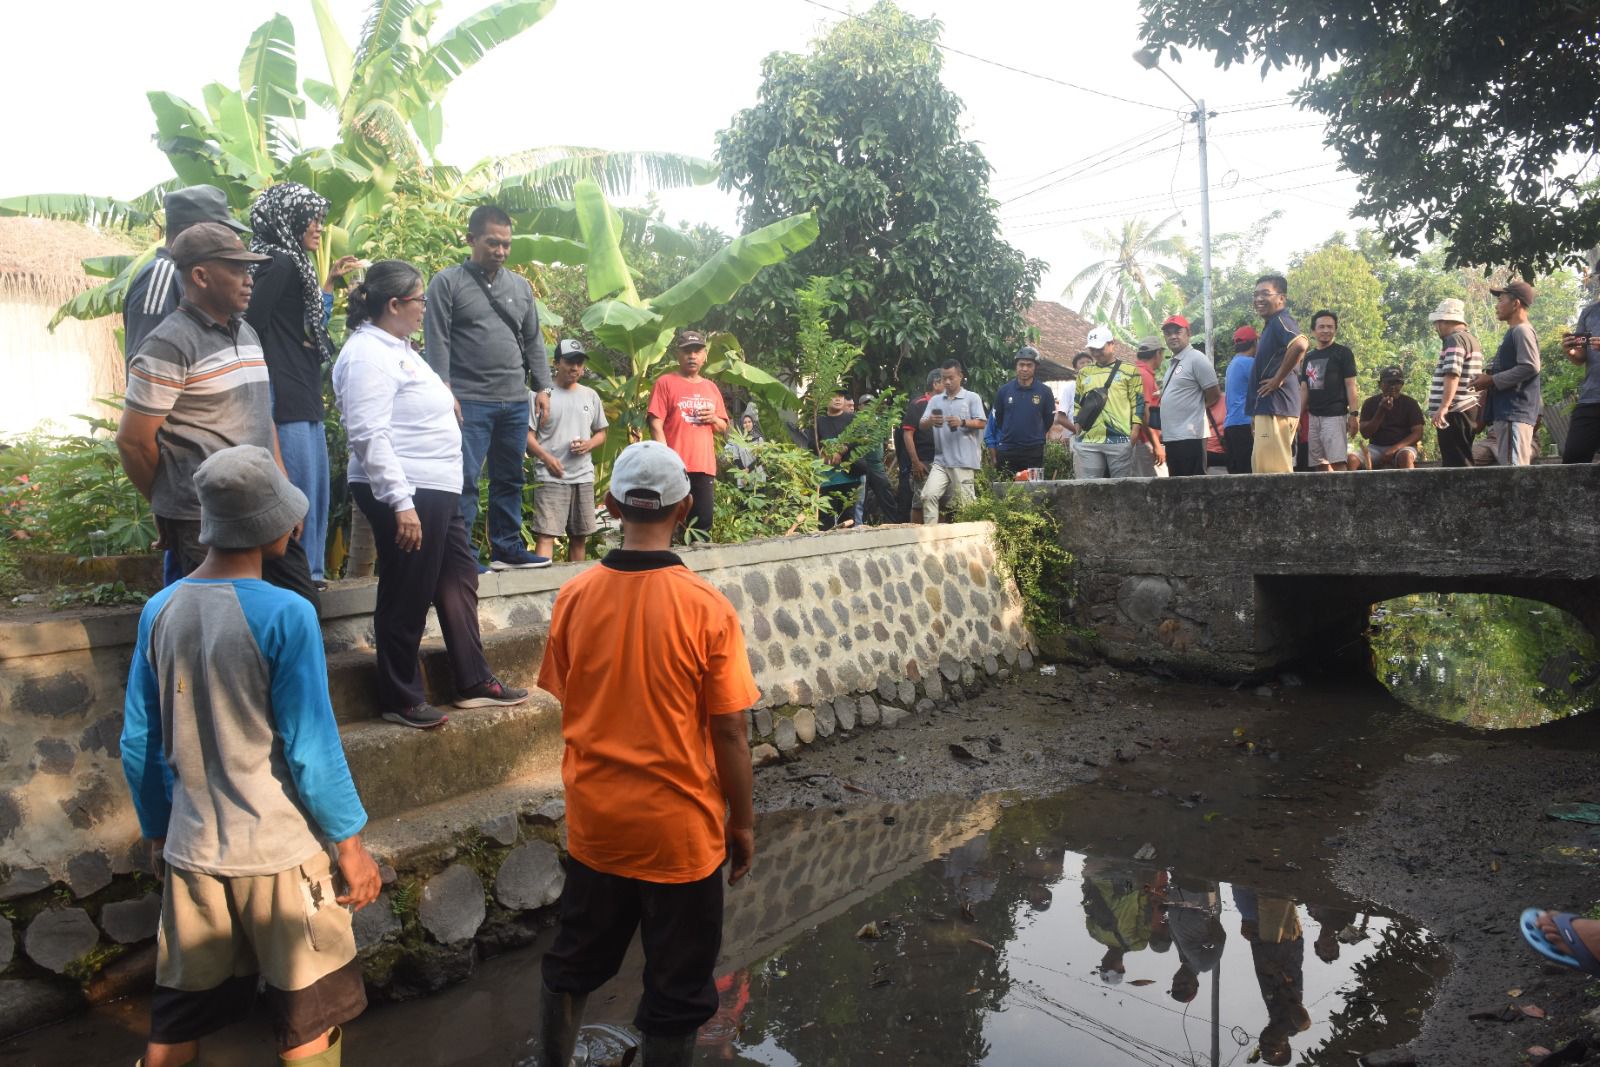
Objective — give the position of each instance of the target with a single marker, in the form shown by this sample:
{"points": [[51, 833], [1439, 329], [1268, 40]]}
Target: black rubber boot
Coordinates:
{"points": [[560, 1015], [669, 1051]]}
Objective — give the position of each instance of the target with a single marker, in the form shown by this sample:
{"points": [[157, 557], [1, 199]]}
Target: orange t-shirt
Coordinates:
{"points": [[642, 652], [673, 400]]}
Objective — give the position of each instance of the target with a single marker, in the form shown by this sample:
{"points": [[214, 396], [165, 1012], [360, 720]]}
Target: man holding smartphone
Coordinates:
{"points": [[957, 419], [1583, 348]]}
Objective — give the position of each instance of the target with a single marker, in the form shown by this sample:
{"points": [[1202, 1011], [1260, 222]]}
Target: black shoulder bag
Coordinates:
{"points": [[505, 316], [1093, 403]]}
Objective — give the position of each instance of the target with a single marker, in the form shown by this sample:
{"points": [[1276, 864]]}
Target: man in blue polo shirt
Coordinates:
{"points": [[1237, 436], [1024, 409]]}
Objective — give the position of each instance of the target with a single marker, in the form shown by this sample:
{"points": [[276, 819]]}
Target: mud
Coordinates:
{"points": [[1331, 796]]}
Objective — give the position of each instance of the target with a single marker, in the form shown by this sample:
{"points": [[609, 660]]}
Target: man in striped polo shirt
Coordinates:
{"points": [[196, 385]]}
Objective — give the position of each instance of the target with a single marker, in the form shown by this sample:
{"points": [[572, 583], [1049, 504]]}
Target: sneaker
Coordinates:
{"points": [[422, 716], [520, 560], [494, 691]]}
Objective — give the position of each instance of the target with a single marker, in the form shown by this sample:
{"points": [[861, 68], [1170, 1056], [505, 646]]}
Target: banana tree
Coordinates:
{"points": [[639, 330], [387, 94]]}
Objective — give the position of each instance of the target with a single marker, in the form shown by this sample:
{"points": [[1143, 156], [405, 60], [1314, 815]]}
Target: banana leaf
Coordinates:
{"points": [[606, 271], [542, 248], [102, 211], [473, 38], [729, 270]]}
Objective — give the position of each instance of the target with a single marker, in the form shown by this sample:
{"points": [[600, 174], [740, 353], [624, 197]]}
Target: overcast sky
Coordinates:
{"points": [[647, 75]]}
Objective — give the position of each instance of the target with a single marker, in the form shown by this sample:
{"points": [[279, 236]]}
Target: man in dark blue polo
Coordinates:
{"points": [[1024, 410]]}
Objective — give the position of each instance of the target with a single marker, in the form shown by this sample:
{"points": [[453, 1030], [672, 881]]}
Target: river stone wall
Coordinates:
{"points": [[847, 630]]}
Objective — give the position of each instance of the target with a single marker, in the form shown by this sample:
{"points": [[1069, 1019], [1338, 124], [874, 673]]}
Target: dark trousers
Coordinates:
{"points": [[1240, 443], [1455, 440], [291, 572], [1583, 435], [680, 927], [877, 478], [1185, 459], [703, 487], [443, 572], [1012, 460], [905, 490], [496, 434]]}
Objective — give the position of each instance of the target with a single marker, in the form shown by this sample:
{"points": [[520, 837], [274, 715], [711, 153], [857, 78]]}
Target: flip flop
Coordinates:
{"points": [[1577, 957]]}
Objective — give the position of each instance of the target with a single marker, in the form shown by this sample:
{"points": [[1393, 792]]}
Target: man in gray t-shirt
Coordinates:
{"points": [[956, 418], [564, 445]]}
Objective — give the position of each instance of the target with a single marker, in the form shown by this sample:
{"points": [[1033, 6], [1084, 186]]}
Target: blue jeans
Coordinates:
{"points": [[497, 433], [305, 457]]}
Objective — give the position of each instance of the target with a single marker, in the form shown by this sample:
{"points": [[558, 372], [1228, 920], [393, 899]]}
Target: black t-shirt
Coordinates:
{"points": [[1403, 416], [278, 313], [923, 437], [1325, 370], [829, 427]]}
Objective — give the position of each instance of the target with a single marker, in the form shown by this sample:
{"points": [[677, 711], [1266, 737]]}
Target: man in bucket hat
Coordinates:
{"points": [[155, 290], [231, 751], [198, 385], [1452, 404]]}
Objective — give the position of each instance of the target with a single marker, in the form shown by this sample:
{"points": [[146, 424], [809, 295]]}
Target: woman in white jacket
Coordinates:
{"points": [[405, 476]]}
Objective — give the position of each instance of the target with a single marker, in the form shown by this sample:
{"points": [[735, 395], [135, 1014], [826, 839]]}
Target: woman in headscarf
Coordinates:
{"points": [[738, 450], [405, 476], [289, 309]]}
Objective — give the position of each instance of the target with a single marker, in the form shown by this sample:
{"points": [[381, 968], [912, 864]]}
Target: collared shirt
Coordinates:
{"points": [[1277, 333], [1183, 401], [1239, 374], [960, 447], [1460, 357], [209, 383], [1023, 415], [471, 347], [399, 418], [152, 295]]}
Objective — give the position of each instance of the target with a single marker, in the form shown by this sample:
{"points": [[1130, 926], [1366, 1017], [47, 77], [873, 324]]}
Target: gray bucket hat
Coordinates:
{"points": [[245, 500], [198, 203]]}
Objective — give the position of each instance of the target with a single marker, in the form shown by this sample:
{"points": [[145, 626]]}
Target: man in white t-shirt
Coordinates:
{"points": [[1188, 389], [564, 446]]}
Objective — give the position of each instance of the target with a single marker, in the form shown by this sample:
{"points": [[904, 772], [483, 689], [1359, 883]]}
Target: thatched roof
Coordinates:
{"points": [[40, 258]]}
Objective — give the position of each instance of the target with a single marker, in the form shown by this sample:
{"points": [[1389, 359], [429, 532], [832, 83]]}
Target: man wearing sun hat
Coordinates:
{"points": [[198, 384], [231, 751], [1452, 403], [649, 663]]}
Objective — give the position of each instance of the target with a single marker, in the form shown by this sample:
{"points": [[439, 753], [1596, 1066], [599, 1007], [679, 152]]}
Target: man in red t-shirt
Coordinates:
{"points": [[686, 414]]}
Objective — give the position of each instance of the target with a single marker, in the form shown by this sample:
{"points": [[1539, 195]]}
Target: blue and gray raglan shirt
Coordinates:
{"points": [[229, 742]]}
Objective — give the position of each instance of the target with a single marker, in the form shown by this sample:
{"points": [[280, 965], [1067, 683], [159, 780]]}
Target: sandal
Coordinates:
{"points": [[1577, 957]]}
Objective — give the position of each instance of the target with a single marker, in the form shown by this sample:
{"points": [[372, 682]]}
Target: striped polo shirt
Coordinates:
{"points": [[209, 384]]}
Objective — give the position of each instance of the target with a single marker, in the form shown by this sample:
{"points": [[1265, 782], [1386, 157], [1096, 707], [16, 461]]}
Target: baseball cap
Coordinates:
{"points": [[571, 351], [1027, 352], [1099, 337], [691, 339], [649, 475], [205, 241], [1449, 311], [1175, 320], [1521, 290], [245, 500], [198, 203], [1245, 333], [1391, 374]]}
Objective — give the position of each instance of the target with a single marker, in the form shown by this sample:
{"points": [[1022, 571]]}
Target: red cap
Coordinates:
{"points": [[1175, 320], [1245, 333]]}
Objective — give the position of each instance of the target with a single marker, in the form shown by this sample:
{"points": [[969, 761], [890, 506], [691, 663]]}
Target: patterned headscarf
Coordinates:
{"points": [[278, 222]]}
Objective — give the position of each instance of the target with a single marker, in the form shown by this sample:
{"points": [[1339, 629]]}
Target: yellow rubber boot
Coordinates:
{"points": [[328, 1057]]}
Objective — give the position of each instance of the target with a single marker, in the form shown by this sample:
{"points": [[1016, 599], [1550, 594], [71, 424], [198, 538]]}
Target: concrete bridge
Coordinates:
{"points": [[1235, 576]]}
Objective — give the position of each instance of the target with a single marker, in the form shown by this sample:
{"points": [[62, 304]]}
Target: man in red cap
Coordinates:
{"points": [[1237, 435], [1188, 390]]}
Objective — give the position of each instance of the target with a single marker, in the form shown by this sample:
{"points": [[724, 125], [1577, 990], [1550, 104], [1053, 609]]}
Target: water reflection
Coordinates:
{"points": [[977, 961], [1485, 661]]}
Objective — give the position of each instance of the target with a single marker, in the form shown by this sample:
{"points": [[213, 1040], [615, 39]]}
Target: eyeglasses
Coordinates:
{"points": [[421, 298]]}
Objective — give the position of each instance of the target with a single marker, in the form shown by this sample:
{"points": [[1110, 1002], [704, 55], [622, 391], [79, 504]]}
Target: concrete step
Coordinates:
{"points": [[409, 838], [514, 654]]}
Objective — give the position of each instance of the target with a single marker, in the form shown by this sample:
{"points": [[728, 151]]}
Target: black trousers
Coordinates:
{"points": [[905, 489], [680, 927], [1185, 459], [1583, 435], [1239, 442], [703, 488], [443, 573], [1455, 440], [877, 481], [1012, 460], [292, 572]]}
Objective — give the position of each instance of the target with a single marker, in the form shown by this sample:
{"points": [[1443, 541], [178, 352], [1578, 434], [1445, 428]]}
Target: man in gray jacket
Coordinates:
{"points": [[482, 337]]}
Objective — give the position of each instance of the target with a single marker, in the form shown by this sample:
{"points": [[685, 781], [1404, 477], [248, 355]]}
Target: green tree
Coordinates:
{"points": [[1338, 278], [1114, 287], [863, 132], [1462, 122]]}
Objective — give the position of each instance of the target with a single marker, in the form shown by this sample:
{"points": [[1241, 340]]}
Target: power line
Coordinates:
{"points": [[1223, 185], [991, 62], [1096, 168], [1040, 227], [1141, 138]]}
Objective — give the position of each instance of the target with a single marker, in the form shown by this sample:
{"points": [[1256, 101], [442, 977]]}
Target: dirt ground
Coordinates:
{"points": [[1299, 785]]}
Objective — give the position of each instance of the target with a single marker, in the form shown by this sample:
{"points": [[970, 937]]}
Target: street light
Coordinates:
{"points": [[1150, 59]]}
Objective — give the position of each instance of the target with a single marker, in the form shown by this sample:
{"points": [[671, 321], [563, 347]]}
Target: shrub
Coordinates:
{"points": [[1026, 537], [68, 493]]}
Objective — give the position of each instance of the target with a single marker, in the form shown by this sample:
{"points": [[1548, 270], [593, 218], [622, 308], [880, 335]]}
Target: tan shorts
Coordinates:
{"points": [[563, 509], [1274, 444], [218, 934]]}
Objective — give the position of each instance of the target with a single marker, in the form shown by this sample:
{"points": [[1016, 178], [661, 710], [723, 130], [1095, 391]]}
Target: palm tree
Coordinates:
{"points": [[1112, 287]]}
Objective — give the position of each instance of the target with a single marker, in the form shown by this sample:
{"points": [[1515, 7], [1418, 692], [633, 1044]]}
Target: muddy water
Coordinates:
{"points": [[957, 930]]}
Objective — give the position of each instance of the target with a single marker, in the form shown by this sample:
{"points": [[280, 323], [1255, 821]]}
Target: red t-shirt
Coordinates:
{"points": [[675, 400]]}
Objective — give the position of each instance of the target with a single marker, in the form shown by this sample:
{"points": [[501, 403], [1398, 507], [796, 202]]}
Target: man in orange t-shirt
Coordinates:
{"points": [[649, 663], [686, 412]]}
